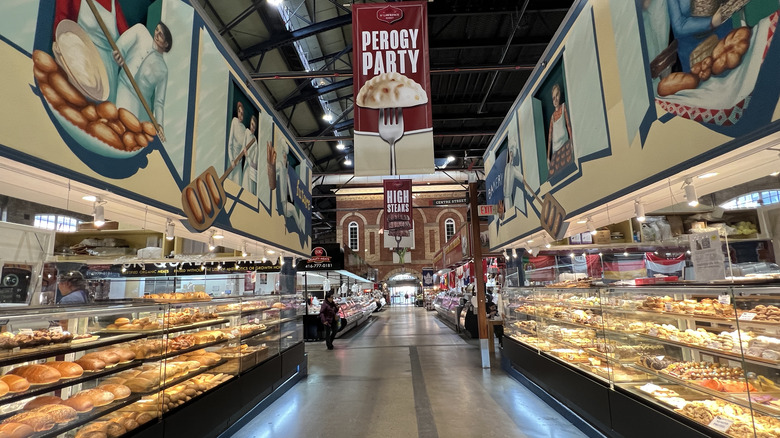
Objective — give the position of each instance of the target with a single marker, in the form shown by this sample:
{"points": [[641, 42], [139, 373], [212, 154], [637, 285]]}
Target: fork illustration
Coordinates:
{"points": [[391, 129]]}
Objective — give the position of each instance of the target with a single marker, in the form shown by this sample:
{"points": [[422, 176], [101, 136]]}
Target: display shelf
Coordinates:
{"points": [[168, 330], [177, 380], [64, 383], [735, 356], [174, 353], [195, 398], [36, 353]]}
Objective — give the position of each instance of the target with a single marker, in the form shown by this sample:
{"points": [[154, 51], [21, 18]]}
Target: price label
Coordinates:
{"points": [[57, 329], [747, 316], [724, 299], [653, 332], [721, 424], [26, 331], [668, 307]]}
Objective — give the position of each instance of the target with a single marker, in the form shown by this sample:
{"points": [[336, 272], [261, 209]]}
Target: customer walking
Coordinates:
{"points": [[329, 315]]}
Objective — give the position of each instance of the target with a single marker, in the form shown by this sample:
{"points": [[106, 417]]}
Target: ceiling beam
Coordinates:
{"points": [[489, 43], [437, 133], [264, 76], [287, 37], [314, 93], [256, 4]]}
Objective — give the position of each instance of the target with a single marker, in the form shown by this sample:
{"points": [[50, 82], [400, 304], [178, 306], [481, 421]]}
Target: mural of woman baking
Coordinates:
{"points": [[718, 60], [560, 152]]}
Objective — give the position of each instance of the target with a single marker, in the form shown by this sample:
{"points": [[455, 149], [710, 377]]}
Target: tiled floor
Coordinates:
{"points": [[405, 374]]}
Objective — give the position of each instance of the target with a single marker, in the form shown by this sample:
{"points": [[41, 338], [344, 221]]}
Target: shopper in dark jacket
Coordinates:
{"points": [[328, 315]]}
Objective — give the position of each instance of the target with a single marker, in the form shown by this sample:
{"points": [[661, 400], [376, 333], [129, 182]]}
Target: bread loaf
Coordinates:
{"points": [[4, 389], [125, 354], [16, 430], [96, 427], [98, 397], [91, 364], [37, 420], [110, 358], [37, 374], [115, 430], [80, 403], [15, 383], [92, 433], [67, 369], [119, 391], [60, 413], [43, 400], [676, 82], [139, 384], [143, 418]]}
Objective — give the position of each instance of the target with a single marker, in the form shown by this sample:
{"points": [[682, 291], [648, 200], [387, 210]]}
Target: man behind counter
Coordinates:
{"points": [[72, 287]]}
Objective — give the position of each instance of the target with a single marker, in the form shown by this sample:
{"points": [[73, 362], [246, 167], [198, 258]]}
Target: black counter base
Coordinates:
{"points": [[588, 403]]}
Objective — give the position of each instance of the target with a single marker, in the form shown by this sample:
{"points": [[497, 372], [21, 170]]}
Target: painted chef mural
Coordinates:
{"points": [[631, 92], [138, 97]]}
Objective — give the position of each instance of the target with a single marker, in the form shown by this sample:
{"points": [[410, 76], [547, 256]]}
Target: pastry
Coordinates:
{"points": [[98, 397], [728, 53], [60, 413], [15, 383], [675, 82], [16, 430], [39, 421], [43, 400], [67, 369], [37, 374], [391, 90], [80, 403], [119, 391]]}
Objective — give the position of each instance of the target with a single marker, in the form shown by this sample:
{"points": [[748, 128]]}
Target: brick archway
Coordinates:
{"points": [[417, 274]]}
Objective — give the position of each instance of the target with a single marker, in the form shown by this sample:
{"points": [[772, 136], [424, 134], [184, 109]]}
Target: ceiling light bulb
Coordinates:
{"points": [[450, 159], [340, 146], [690, 193], [218, 234], [347, 161], [639, 209], [708, 175], [625, 253], [270, 251], [169, 228], [244, 253], [514, 253], [328, 117], [582, 221], [506, 251], [264, 259], [281, 260], [571, 255], [99, 216], [90, 198], [774, 174]]}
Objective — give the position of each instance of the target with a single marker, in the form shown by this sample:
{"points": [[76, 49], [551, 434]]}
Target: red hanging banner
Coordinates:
{"points": [[391, 80], [398, 207]]}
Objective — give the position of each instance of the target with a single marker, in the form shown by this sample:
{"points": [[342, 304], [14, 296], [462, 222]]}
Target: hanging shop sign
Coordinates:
{"points": [[398, 210], [190, 268], [427, 277], [175, 125], [391, 80], [323, 258]]}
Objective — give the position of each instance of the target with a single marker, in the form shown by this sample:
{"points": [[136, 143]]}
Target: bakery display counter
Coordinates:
{"points": [[706, 358], [447, 307]]}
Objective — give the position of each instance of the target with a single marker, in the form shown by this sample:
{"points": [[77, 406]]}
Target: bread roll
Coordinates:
{"points": [[97, 426], [122, 321], [43, 400], [91, 364], [153, 376], [141, 140], [44, 62], [67, 369], [203, 195], [37, 374], [51, 96], [192, 202], [677, 81], [4, 389], [73, 115], [16, 430], [60, 413], [15, 383], [39, 421], [129, 120], [98, 397], [119, 391], [130, 424], [107, 110], [115, 430], [92, 434], [104, 133], [125, 354], [143, 418], [60, 83], [149, 128], [110, 358], [139, 384], [80, 403], [128, 140], [90, 113]]}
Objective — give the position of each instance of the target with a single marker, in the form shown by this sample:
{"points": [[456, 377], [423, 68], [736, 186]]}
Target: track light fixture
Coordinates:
{"points": [[212, 245], [506, 251], [244, 252], [169, 228], [218, 234], [514, 253], [690, 193], [591, 227], [639, 209]]}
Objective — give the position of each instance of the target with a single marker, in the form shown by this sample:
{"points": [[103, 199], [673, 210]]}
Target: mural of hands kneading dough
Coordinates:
{"points": [[390, 93]]}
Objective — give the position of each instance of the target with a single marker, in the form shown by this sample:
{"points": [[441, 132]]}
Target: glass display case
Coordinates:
{"points": [[115, 367], [446, 305], [703, 355]]}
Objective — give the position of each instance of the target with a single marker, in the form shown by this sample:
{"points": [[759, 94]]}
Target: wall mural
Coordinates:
{"points": [[138, 98], [629, 92]]}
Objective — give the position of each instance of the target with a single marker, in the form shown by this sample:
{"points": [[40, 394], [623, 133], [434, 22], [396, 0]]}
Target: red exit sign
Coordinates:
{"points": [[487, 210]]}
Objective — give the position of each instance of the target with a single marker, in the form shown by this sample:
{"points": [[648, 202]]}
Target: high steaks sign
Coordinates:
{"points": [[398, 207]]}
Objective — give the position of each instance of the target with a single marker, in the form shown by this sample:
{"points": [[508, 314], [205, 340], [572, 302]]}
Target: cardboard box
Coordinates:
{"points": [[602, 237]]}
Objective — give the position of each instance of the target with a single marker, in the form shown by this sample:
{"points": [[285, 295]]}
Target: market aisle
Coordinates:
{"points": [[405, 374]]}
